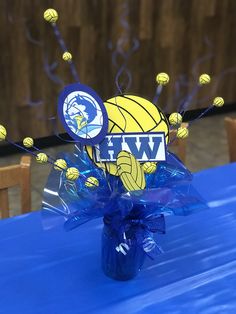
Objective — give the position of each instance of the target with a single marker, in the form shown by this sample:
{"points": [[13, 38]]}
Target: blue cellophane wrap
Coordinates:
{"points": [[130, 218]]}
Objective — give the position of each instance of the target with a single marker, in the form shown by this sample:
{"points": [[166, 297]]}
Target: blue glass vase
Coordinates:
{"points": [[120, 261]]}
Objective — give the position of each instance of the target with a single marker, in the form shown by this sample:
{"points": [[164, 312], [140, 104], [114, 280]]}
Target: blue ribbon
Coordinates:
{"points": [[140, 227]]}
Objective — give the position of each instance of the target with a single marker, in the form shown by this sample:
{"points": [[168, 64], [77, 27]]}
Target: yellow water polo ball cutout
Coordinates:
{"points": [[28, 142], [67, 56], [50, 15], [60, 164], [162, 78], [72, 173], [204, 79], [131, 114], [42, 158], [92, 182], [182, 132], [175, 118], [149, 167], [3, 133], [130, 172], [218, 102]]}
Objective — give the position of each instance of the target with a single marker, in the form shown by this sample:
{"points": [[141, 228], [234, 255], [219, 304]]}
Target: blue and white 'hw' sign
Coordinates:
{"points": [[144, 146]]}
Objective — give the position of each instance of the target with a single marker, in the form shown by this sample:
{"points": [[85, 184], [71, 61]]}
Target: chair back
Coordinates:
{"points": [[11, 176], [230, 126], [179, 143]]}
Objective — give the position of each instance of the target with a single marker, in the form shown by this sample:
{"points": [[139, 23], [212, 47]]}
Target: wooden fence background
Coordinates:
{"points": [[181, 37]]}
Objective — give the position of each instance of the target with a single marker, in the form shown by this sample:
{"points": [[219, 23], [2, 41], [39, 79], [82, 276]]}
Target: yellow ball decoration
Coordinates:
{"points": [[204, 79], [175, 118], [182, 132], [3, 133], [92, 182], [67, 56], [149, 167], [162, 78], [28, 142], [50, 15], [42, 158], [60, 164], [72, 173], [218, 102]]}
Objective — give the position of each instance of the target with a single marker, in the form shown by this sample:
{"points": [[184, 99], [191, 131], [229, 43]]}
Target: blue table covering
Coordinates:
{"points": [[58, 272]]}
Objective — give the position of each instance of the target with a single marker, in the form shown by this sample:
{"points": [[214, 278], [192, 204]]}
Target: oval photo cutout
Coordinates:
{"points": [[83, 114]]}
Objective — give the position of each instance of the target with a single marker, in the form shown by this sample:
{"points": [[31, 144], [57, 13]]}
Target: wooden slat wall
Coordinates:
{"points": [[173, 34]]}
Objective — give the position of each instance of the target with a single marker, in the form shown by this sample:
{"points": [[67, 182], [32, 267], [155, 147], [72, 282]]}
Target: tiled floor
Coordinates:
{"points": [[207, 147]]}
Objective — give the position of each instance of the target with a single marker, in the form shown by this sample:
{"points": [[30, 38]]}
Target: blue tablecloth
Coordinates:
{"points": [[57, 272]]}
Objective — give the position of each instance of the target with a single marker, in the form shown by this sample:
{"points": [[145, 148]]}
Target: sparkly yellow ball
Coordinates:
{"points": [[92, 182], [149, 167], [204, 79], [162, 78], [72, 173], [42, 158], [218, 102], [60, 164], [175, 118], [50, 15], [182, 132], [28, 142], [3, 133], [67, 56]]}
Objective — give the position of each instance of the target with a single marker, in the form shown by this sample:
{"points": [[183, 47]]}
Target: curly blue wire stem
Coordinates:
{"points": [[64, 49], [35, 154], [158, 93], [194, 120], [120, 50], [187, 101], [29, 151], [202, 114]]}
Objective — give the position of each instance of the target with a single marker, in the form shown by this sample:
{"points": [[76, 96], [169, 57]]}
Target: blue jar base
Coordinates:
{"points": [[120, 263]]}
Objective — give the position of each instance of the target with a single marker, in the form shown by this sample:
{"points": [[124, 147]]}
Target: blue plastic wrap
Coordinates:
{"points": [[168, 191], [131, 218]]}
